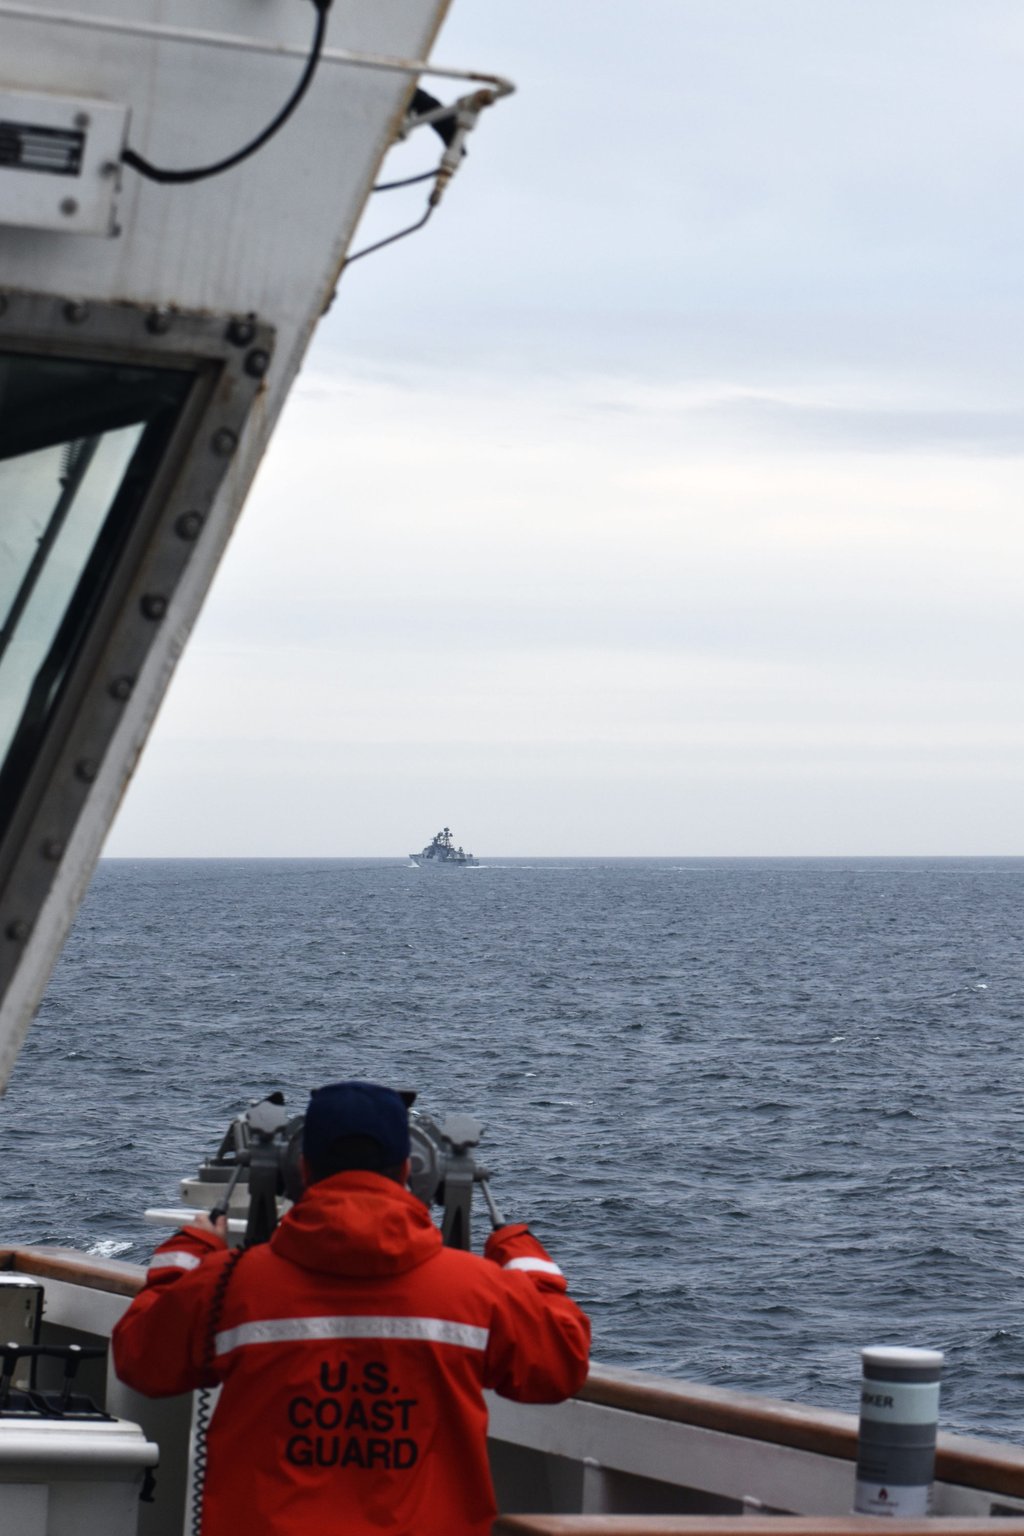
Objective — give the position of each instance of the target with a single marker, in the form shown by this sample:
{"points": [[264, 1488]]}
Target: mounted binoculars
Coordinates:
{"points": [[256, 1171]]}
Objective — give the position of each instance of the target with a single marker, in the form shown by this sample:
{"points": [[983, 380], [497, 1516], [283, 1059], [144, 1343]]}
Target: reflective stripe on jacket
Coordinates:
{"points": [[353, 1349]]}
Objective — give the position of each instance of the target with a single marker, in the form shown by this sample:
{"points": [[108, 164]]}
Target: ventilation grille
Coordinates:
{"points": [[30, 147]]}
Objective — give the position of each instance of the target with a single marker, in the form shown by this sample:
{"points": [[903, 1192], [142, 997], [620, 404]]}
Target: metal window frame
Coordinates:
{"points": [[229, 356]]}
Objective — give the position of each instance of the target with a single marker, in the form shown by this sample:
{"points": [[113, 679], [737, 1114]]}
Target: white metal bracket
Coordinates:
{"points": [[60, 162]]}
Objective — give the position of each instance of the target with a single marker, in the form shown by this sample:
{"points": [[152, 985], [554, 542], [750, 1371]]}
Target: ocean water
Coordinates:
{"points": [[763, 1112]]}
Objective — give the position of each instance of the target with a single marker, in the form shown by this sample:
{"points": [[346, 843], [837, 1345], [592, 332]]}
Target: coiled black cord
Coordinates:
{"points": [[203, 1412], [204, 1397], [165, 177]]}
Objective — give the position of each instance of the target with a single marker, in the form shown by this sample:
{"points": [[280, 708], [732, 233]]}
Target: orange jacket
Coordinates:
{"points": [[353, 1349]]}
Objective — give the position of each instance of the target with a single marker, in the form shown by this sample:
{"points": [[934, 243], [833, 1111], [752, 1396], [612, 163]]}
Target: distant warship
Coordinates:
{"points": [[442, 850]]}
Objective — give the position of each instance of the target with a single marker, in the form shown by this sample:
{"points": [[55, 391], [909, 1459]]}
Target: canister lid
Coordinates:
{"points": [[897, 1362]]}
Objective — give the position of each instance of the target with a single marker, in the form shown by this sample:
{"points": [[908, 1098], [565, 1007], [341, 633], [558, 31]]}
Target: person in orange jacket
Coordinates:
{"points": [[354, 1347]]}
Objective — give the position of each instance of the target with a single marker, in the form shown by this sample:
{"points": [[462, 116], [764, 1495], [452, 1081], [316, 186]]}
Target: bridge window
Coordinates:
{"points": [[80, 443]]}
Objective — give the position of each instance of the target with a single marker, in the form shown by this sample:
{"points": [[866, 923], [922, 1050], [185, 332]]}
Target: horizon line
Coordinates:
{"points": [[169, 858]]}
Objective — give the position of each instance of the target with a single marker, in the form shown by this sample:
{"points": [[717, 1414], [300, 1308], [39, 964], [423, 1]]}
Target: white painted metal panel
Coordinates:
{"points": [[24, 1509], [683, 1454], [82, 1307]]}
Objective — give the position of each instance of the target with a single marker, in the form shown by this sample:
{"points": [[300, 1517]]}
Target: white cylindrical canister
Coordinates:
{"points": [[899, 1414]]}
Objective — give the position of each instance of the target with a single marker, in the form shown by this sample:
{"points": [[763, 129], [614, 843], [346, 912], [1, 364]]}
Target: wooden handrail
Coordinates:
{"points": [[966, 1460], [744, 1525], [729, 1412], [84, 1269]]}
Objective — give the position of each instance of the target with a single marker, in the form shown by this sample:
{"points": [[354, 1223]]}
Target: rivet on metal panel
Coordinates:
{"points": [[242, 332], [82, 119], [189, 525], [224, 442], [68, 206], [109, 168], [257, 363], [53, 849], [86, 769], [75, 311], [159, 322], [17, 929], [121, 689], [153, 605]]}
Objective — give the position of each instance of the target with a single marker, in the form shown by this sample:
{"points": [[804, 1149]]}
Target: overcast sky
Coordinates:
{"points": [[664, 495]]}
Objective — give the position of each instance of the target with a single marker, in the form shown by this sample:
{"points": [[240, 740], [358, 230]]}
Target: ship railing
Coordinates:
{"points": [[630, 1443], [629, 1447]]}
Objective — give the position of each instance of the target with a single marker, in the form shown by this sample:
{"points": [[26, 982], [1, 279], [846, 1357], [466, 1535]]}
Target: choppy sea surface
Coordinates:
{"points": [[763, 1112]]}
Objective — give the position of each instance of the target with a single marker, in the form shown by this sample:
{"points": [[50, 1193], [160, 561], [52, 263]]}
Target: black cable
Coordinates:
{"points": [[200, 173], [380, 244], [408, 181]]}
